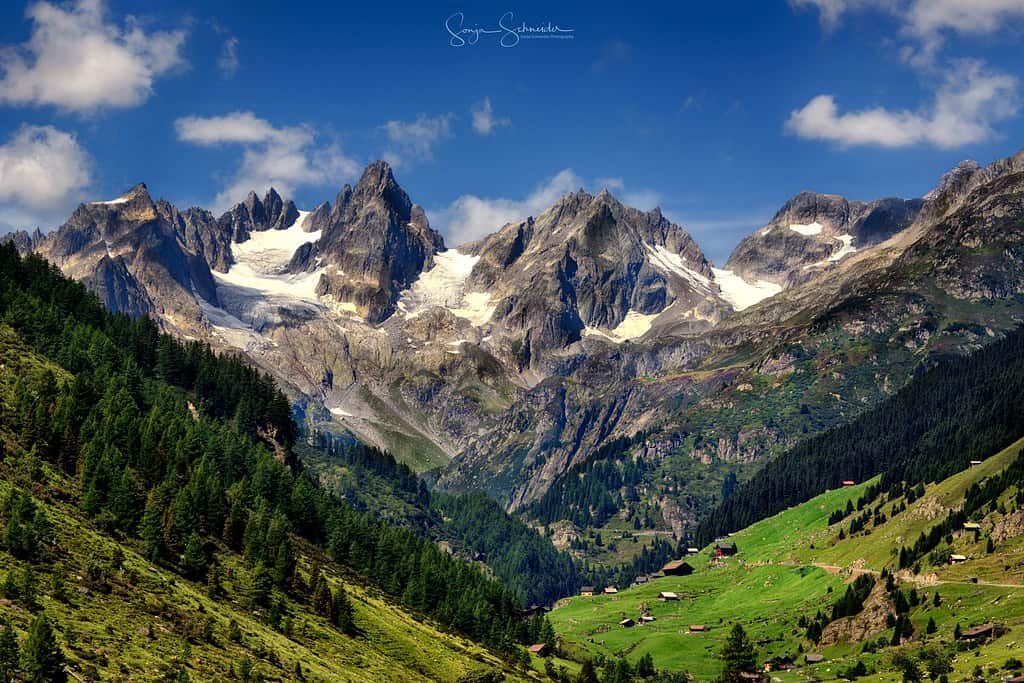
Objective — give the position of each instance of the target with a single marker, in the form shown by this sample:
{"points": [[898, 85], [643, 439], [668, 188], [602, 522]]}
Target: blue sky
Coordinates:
{"points": [[716, 112]]}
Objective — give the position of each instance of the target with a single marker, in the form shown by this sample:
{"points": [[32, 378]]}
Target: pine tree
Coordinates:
{"points": [[151, 526], [344, 615], [9, 654], [42, 659], [193, 562], [931, 627], [58, 586], [323, 600], [738, 655]]}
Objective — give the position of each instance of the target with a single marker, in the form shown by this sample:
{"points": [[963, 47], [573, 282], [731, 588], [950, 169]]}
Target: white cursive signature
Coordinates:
{"points": [[510, 32]]}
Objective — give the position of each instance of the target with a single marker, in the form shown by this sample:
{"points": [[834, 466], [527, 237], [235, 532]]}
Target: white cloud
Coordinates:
{"points": [[43, 171], [77, 61], [484, 121], [471, 217], [285, 158], [969, 101], [415, 140]]}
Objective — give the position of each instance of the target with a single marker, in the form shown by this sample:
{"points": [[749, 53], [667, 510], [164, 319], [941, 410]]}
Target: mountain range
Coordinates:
{"points": [[590, 331]]}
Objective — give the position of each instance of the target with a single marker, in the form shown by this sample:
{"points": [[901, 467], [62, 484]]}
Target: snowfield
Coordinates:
{"points": [[741, 294], [262, 260], [444, 285]]}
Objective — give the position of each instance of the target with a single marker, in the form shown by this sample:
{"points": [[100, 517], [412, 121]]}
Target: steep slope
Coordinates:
{"points": [[143, 446]]}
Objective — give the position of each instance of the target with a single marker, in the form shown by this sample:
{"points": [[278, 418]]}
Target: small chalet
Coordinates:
{"points": [[782, 663], [666, 596], [957, 559], [540, 649], [627, 623], [658, 575], [725, 549], [980, 633], [587, 591], [641, 579], [814, 658], [610, 590], [753, 676], [677, 568], [698, 628], [646, 619], [972, 526], [848, 482], [692, 551], [975, 462]]}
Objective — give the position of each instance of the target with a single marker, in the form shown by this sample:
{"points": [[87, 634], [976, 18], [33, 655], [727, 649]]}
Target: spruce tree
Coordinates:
{"points": [[738, 655], [9, 654], [323, 601], [344, 614], [42, 660], [193, 562]]}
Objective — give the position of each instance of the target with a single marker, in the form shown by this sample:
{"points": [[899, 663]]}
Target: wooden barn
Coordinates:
{"points": [[677, 568]]}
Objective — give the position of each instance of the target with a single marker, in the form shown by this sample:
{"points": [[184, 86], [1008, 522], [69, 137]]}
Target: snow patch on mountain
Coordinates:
{"points": [[807, 230], [845, 250], [112, 202], [633, 326], [444, 285], [670, 262], [742, 294]]}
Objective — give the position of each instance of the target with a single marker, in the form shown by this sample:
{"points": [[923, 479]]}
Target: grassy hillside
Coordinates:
{"points": [[794, 564], [120, 616]]}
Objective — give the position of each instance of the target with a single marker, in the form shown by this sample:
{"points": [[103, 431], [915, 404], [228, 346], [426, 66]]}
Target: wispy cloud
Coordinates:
{"points": [[43, 172], [78, 61], [612, 52], [484, 120], [968, 96], [227, 61], [415, 140], [284, 157]]}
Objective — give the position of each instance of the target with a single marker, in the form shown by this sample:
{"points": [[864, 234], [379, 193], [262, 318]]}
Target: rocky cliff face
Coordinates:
{"points": [[590, 265], [812, 232], [128, 251], [375, 243]]}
